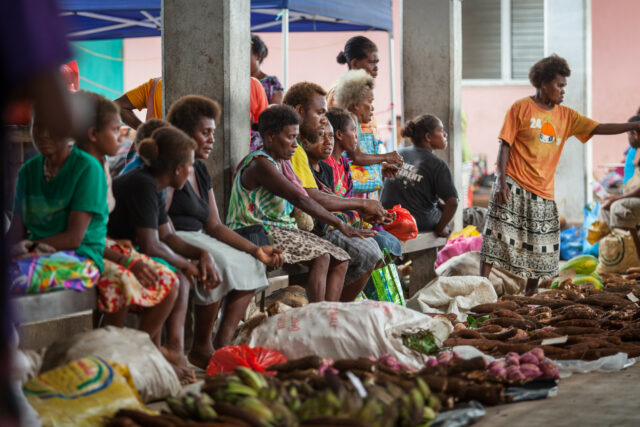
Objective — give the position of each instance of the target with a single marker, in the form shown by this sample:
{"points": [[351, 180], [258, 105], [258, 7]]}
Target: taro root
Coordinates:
{"points": [[530, 371]]}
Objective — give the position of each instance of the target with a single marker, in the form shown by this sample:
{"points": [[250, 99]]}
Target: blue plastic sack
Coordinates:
{"points": [[590, 215], [571, 242]]}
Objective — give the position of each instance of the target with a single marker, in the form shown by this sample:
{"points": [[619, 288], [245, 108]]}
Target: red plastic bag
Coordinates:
{"points": [[230, 357], [404, 227]]}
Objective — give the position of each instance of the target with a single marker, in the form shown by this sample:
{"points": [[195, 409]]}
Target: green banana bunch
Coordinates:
{"points": [[257, 408], [193, 407], [251, 378]]}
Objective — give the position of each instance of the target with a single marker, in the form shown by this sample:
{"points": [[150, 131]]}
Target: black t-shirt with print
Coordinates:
{"points": [[422, 180], [189, 212], [139, 204], [325, 175]]}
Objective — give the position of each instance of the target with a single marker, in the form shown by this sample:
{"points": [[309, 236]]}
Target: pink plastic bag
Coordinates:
{"points": [[458, 246]]}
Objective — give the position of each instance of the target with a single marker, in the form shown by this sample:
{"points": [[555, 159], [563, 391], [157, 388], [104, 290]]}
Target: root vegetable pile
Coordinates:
{"points": [[587, 323]]}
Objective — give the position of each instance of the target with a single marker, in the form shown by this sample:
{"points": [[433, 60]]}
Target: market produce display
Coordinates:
{"points": [[573, 322]]}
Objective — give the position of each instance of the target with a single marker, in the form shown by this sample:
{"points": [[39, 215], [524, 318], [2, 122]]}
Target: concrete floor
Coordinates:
{"points": [[595, 399]]}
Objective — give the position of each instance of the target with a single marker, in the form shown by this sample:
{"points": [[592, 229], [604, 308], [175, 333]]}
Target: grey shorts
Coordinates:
{"points": [[364, 253]]}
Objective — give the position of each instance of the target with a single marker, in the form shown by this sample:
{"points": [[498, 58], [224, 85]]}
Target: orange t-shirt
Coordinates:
{"points": [[536, 137], [258, 99], [139, 97]]}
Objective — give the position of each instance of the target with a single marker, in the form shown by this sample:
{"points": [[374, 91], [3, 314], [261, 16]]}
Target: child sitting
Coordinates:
{"points": [[424, 184]]}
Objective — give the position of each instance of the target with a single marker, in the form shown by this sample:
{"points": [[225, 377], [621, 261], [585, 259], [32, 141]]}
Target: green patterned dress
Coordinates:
{"points": [[260, 206]]}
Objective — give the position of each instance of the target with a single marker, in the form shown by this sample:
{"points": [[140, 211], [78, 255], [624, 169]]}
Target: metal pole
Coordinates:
{"points": [[285, 49], [394, 127]]}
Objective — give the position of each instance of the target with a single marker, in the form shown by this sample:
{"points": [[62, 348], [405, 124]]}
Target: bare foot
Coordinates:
{"points": [[200, 357], [179, 364]]}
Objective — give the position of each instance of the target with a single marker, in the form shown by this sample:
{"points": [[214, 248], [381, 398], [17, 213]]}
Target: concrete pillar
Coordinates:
{"points": [[566, 35], [205, 51], [432, 73]]}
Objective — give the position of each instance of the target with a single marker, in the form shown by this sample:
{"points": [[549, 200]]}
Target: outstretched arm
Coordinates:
{"points": [[615, 128]]}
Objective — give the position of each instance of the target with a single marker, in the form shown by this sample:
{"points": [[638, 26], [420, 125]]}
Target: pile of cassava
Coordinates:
{"points": [[569, 322]]}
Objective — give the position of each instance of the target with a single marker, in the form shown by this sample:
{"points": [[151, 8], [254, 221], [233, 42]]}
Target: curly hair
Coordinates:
{"points": [[353, 88], [275, 118], [302, 94], [186, 112], [339, 118], [166, 149], [357, 47], [146, 129], [92, 111], [417, 128], [547, 69]]}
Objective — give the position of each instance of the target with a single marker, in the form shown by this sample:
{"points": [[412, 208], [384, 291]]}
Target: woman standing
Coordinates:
{"points": [[271, 84], [523, 231], [194, 214]]}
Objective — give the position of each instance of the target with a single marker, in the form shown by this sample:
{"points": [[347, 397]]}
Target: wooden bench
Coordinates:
{"points": [[422, 251]]}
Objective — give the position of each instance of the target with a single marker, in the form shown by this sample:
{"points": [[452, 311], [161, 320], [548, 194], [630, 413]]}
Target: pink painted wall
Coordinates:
{"points": [[615, 78], [485, 107], [312, 57]]}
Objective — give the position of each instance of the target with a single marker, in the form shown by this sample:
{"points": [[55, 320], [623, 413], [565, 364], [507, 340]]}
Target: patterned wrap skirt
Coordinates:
{"points": [[298, 245], [523, 236], [118, 287]]}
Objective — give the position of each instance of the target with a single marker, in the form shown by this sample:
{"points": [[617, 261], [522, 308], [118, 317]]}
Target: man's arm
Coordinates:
{"points": [[615, 128], [126, 112]]}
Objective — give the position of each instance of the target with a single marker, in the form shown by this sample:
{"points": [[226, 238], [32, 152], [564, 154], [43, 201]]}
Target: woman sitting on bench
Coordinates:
{"points": [[61, 204]]}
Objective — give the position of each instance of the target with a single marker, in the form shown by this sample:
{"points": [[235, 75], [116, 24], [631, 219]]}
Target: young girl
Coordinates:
{"points": [[424, 185], [129, 278], [61, 201]]}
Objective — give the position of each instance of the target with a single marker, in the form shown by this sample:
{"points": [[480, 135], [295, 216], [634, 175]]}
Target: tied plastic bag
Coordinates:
{"points": [[387, 282], [617, 252], [82, 393], [458, 246], [349, 330], [404, 227], [230, 357], [152, 375]]}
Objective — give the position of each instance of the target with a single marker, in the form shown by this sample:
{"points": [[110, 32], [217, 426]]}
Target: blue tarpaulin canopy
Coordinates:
{"points": [[117, 19], [111, 19]]}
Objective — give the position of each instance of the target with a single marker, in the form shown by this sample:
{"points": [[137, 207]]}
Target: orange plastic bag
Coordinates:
{"points": [[230, 357], [404, 227]]}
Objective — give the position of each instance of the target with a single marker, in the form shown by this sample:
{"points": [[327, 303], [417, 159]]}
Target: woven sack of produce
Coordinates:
{"points": [[617, 253], [348, 331], [152, 374]]}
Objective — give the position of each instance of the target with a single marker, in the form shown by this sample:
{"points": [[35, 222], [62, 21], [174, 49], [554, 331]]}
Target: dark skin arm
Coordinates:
{"points": [[126, 112], [615, 128], [261, 172], [72, 237], [501, 164], [276, 98], [363, 159], [448, 210], [633, 193]]}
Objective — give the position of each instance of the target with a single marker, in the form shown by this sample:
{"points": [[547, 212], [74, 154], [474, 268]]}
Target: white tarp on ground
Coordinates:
{"points": [[453, 295]]}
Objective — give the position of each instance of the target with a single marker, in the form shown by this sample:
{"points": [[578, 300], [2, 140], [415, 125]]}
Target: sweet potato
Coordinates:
{"points": [[502, 336], [466, 333], [491, 307], [509, 322]]}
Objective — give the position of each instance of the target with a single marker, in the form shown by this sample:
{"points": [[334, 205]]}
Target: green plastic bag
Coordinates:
{"points": [[387, 281]]}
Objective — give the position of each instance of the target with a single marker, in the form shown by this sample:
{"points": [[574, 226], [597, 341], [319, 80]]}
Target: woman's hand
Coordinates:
{"points": [[389, 170], [349, 231], [394, 158], [445, 232], [208, 272], [503, 195], [608, 202], [145, 274], [124, 243], [190, 270], [270, 256]]}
